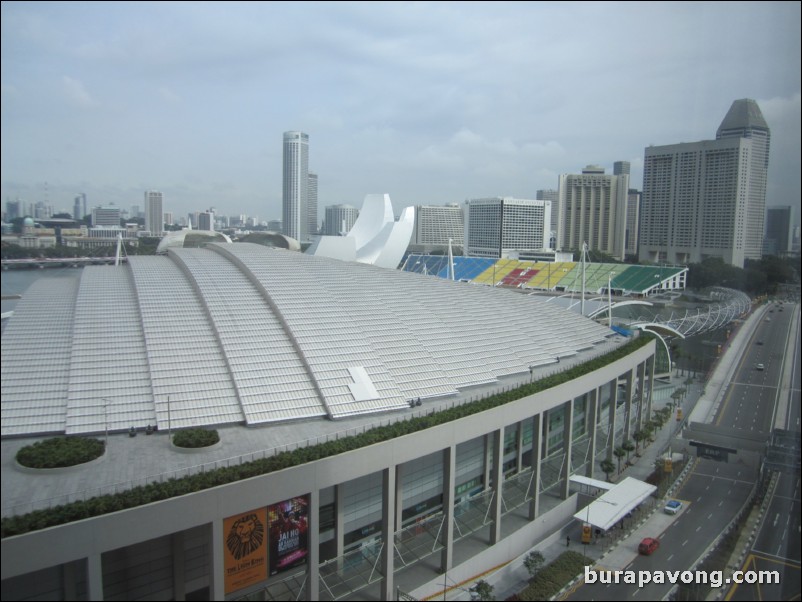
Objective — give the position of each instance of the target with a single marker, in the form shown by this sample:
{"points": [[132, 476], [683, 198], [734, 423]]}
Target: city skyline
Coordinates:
{"points": [[432, 103]]}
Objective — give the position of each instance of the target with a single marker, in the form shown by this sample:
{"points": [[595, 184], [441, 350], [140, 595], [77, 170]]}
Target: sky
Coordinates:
{"points": [[432, 103]]}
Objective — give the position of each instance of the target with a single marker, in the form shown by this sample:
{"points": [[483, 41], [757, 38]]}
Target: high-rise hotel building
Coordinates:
{"points": [[593, 210], [504, 227], [154, 213], [708, 199], [295, 195], [436, 225]]}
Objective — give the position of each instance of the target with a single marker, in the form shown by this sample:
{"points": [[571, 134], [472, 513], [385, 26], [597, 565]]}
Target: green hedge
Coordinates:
{"points": [[155, 492], [60, 452], [550, 580], [194, 438]]}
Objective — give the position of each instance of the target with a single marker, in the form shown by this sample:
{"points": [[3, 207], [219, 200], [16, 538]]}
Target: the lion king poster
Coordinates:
{"points": [[245, 549]]}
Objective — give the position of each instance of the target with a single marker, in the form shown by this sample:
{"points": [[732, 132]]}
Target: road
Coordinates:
{"points": [[778, 543]]}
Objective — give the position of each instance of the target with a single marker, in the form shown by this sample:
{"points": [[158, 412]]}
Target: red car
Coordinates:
{"points": [[648, 546]]}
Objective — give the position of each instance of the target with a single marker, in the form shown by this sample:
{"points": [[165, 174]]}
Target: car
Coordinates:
{"points": [[760, 342], [648, 546], [760, 367], [672, 507]]}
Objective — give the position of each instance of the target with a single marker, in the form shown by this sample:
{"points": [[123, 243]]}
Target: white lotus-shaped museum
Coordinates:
{"points": [[376, 237]]}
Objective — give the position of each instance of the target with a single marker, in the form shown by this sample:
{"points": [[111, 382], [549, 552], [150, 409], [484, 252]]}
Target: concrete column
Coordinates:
{"points": [[217, 581], [399, 497], [179, 578], [313, 542], [447, 530], [650, 397], [519, 446], [591, 418], [568, 442], [388, 534], [611, 420], [537, 447], [488, 460], [643, 414], [94, 577], [498, 485], [69, 576], [628, 406], [339, 522]]}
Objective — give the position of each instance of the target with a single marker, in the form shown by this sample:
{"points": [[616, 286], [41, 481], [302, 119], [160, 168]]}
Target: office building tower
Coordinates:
{"points": [[707, 199], [13, 210], [553, 196], [79, 207], [621, 168], [505, 227], [311, 197], [206, 221], [593, 207], [778, 231], [339, 219], [154, 213], [295, 213], [169, 220], [435, 225], [633, 222], [106, 216]]}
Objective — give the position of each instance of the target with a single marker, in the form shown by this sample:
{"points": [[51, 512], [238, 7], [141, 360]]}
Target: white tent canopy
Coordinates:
{"points": [[615, 504]]}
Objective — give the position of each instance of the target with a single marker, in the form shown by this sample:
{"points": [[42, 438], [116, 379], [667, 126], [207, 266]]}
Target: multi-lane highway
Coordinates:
{"points": [[778, 543]]}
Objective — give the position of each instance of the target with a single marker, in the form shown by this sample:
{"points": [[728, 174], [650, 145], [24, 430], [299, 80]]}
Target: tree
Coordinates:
{"points": [[607, 468], [533, 562], [619, 452], [484, 590], [628, 447], [638, 436]]}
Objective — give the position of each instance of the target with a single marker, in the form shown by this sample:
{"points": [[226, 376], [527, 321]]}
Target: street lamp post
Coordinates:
{"points": [[106, 419]]}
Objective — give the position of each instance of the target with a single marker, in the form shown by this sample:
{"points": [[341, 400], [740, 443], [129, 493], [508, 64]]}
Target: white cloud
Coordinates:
{"points": [[76, 93]]}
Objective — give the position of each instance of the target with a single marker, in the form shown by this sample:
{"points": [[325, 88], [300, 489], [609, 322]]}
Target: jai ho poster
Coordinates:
{"points": [[289, 525]]}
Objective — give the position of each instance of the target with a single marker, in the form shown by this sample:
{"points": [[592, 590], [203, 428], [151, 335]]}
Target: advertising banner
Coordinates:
{"points": [[289, 524], [245, 553]]}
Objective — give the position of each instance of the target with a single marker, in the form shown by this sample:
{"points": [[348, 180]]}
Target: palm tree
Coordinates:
{"points": [[607, 468], [619, 452], [628, 447]]}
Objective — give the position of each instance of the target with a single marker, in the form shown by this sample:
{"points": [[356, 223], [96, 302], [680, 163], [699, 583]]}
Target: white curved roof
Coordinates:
{"points": [[241, 333], [190, 238]]}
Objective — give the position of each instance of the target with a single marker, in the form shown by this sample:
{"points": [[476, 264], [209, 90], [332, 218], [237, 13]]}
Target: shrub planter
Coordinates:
{"points": [[195, 440], [59, 453]]}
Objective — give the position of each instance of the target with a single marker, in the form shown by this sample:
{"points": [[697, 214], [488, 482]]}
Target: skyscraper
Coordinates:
{"points": [[502, 227], [79, 207], [435, 225], [312, 226], [708, 199], [295, 215], [553, 196], [340, 219], [154, 213], [593, 210], [778, 231]]}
